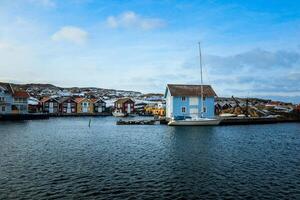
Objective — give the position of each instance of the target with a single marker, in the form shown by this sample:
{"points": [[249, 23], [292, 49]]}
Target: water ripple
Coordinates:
{"points": [[64, 159]]}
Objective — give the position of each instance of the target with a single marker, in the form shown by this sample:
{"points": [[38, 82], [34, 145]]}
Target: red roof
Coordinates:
{"points": [[80, 99], [21, 94], [44, 99]]}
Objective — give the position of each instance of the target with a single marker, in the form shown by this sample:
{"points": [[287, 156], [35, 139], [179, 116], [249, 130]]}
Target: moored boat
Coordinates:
{"points": [[195, 122], [118, 113]]}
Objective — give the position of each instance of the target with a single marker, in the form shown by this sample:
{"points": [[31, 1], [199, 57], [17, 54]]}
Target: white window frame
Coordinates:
{"points": [[183, 98], [183, 107]]}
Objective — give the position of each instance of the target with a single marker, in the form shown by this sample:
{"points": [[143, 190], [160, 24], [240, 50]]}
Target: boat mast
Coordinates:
{"points": [[202, 103]]}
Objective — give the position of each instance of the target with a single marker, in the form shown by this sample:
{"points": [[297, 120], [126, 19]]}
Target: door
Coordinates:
{"points": [[128, 108], [194, 112], [51, 107], [85, 107], [69, 108], [99, 109]]}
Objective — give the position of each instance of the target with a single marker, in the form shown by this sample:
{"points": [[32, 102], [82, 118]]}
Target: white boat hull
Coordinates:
{"points": [[195, 122], [119, 114]]}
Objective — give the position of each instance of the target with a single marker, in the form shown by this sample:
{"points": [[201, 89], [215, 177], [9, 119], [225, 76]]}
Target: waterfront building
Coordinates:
{"points": [[11, 101], [20, 102], [84, 105], [124, 105], [6, 99], [186, 101], [99, 106], [67, 105], [298, 108], [34, 105], [50, 105]]}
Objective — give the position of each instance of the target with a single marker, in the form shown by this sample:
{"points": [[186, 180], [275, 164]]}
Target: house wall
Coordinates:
{"points": [[6, 101], [80, 107], [169, 104], [99, 104], [21, 105], [125, 107], [178, 103], [47, 104], [64, 106], [174, 106]]}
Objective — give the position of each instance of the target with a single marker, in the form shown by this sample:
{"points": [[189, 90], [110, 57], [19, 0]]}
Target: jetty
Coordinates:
{"points": [[138, 122], [257, 120], [21, 117], [224, 122]]}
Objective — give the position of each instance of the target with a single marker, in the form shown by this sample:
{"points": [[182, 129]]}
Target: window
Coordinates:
{"points": [[3, 108], [182, 98], [204, 109], [204, 98], [183, 109]]}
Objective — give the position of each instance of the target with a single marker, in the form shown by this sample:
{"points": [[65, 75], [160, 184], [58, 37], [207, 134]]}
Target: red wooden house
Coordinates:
{"points": [[50, 105], [67, 105], [125, 105]]}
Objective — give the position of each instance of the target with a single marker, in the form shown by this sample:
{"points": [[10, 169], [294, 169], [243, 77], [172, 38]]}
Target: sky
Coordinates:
{"points": [[249, 48]]}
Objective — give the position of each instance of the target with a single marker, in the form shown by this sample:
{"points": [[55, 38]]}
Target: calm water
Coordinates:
{"points": [[64, 158]]}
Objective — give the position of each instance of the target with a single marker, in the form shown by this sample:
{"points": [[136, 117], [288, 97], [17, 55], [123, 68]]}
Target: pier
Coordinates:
{"points": [[21, 117], [224, 122]]}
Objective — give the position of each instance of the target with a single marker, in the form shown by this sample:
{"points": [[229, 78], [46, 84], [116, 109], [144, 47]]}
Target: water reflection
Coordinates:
{"points": [[64, 158]]}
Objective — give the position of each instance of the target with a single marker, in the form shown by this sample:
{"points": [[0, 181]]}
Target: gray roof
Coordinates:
{"points": [[190, 90], [7, 88]]}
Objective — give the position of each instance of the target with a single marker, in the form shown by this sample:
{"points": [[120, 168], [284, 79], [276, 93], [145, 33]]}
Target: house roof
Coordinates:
{"points": [[80, 99], [123, 100], [7, 88], [21, 94], [63, 99], [97, 100], [45, 99], [190, 90]]}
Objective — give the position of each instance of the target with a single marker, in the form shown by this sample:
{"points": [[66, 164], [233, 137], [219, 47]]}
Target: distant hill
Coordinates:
{"points": [[39, 89]]}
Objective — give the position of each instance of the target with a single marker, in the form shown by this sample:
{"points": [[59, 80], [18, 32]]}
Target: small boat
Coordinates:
{"points": [[195, 122], [118, 113], [227, 115]]}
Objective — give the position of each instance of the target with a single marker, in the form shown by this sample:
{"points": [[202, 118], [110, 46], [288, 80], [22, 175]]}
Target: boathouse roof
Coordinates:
{"points": [[7, 88], [21, 94], [123, 100], [190, 90]]}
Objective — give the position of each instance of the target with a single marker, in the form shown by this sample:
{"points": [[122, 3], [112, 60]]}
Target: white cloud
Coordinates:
{"points": [[130, 19], [70, 34]]}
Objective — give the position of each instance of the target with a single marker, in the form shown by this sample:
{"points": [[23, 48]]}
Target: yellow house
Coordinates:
{"points": [[159, 111], [84, 105]]}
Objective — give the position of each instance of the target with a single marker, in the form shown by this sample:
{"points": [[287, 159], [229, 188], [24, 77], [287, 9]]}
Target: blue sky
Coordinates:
{"points": [[250, 48]]}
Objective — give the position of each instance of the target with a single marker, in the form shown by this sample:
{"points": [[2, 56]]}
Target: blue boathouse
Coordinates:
{"points": [[185, 101]]}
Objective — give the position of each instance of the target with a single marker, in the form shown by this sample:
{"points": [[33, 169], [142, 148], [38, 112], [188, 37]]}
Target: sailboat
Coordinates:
{"points": [[196, 120]]}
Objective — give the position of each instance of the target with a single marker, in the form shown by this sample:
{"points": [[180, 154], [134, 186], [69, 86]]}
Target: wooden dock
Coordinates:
{"points": [[249, 121], [138, 122], [21, 117], [224, 122]]}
